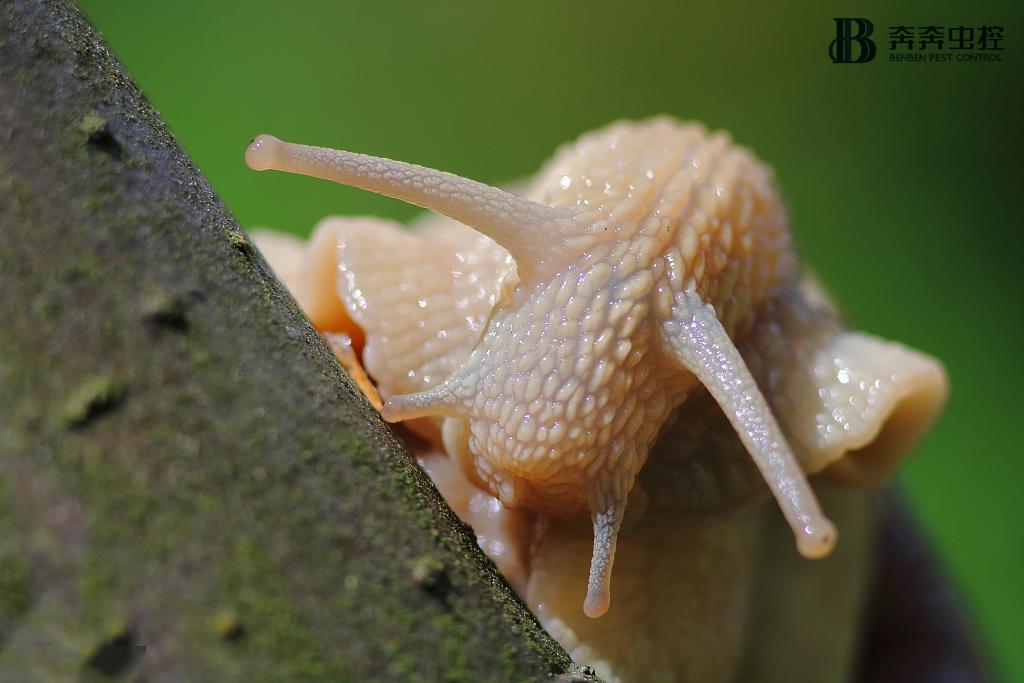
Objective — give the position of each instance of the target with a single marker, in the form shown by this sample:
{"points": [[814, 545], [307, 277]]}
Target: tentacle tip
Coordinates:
{"points": [[815, 541], [597, 604], [391, 411], [262, 152]]}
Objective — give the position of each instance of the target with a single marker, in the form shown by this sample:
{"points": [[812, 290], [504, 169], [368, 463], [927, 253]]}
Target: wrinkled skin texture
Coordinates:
{"points": [[570, 382], [561, 370]]}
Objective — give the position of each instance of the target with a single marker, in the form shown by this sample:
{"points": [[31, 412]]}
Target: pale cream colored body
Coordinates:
{"points": [[643, 261], [572, 379]]}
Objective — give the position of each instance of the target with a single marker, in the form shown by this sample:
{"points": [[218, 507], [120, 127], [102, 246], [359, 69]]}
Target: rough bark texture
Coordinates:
{"points": [[190, 487]]}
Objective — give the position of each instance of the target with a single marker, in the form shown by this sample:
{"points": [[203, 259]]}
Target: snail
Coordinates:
{"points": [[638, 309]]}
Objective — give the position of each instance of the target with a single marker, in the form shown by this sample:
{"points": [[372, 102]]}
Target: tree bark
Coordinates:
{"points": [[190, 487]]}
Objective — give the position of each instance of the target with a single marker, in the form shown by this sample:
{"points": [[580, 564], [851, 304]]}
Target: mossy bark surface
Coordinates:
{"points": [[191, 489]]}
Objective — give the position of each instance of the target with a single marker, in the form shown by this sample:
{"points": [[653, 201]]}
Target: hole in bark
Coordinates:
{"points": [[106, 143], [97, 396], [98, 135], [116, 656], [431, 575], [228, 627], [239, 241], [168, 311]]}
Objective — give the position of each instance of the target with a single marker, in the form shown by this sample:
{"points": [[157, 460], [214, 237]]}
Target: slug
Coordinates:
{"points": [[639, 301]]}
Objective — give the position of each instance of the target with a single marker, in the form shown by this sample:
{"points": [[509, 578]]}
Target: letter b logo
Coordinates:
{"points": [[841, 49]]}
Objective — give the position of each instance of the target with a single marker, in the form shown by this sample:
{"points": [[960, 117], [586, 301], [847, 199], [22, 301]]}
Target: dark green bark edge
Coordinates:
{"points": [[190, 487]]}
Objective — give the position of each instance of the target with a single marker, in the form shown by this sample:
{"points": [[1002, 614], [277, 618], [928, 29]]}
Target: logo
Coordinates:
{"points": [[848, 32], [917, 44]]}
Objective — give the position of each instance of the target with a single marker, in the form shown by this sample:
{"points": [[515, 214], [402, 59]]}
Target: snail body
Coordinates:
{"points": [[561, 335]]}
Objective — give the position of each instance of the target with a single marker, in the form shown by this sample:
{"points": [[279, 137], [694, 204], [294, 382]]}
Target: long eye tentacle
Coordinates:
{"points": [[702, 345], [530, 231]]}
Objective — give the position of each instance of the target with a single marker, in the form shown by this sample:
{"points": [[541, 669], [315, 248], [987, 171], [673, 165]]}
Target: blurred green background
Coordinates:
{"points": [[903, 180]]}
